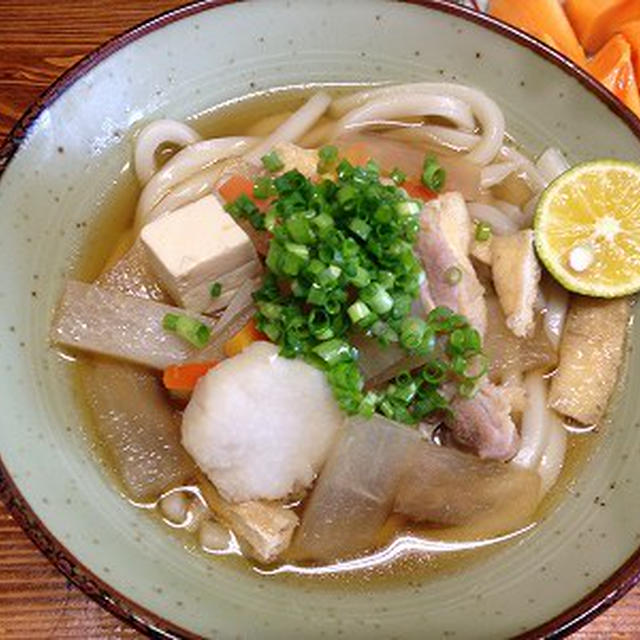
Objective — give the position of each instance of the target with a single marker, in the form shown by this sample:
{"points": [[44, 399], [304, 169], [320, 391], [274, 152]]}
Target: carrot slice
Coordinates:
{"points": [[631, 31], [183, 377], [241, 340], [235, 187], [543, 19], [614, 68], [418, 190], [596, 21]]}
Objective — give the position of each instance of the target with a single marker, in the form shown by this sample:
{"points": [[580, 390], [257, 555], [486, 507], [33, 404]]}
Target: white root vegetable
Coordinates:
{"points": [[446, 487], [152, 137], [132, 275], [494, 174], [188, 162], [138, 428], [355, 492], [405, 106], [485, 110], [294, 127], [552, 164], [500, 223], [259, 425], [113, 324], [241, 303]]}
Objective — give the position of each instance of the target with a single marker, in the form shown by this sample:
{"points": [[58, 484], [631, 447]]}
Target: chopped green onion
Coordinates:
{"points": [[327, 158], [367, 406], [340, 261], [452, 276], [377, 298], [329, 276], [323, 223], [334, 351], [320, 324], [272, 162], [358, 311], [190, 329], [434, 372], [408, 208], [215, 290], [483, 231], [263, 188], [317, 295], [360, 228], [300, 229], [433, 175], [412, 331], [398, 176]]}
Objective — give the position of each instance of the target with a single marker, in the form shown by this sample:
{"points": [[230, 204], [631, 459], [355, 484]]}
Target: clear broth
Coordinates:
{"points": [[416, 555]]}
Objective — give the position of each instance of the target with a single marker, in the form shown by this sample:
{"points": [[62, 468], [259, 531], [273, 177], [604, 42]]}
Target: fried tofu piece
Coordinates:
{"points": [[591, 353], [266, 527], [516, 276]]}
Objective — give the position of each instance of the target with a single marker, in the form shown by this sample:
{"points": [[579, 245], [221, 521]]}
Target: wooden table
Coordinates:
{"points": [[39, 39]]}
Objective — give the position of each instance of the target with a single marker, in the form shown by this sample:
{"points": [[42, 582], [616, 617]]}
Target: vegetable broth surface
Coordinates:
{"points": [[417, 554]]}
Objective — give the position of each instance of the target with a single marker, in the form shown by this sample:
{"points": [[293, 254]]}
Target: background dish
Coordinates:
{"points": [[573, 93]]}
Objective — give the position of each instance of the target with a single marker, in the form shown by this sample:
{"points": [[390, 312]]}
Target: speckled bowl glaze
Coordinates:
{"points": [[60, 163]]}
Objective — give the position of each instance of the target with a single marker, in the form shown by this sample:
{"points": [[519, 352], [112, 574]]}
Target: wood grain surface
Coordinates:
{"points": [[39, 39]]}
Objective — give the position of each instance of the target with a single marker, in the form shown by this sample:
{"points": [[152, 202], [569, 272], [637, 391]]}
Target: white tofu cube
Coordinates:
{"points": [[195, 246]]}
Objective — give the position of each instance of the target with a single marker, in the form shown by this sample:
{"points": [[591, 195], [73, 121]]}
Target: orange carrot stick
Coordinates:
{"points": [[235, 187], [183, 377], [241, 340]]}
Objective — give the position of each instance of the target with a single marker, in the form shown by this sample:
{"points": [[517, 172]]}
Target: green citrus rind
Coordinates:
{"points": [[575, 282]]}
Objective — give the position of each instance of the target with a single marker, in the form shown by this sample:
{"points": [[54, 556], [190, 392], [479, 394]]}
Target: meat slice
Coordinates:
{"points": [[591, 353], [483, 423], [516, 276], [443, 247]]}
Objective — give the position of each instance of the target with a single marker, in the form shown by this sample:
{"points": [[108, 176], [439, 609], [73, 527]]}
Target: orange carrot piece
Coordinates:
{"points": [[613, 67], [235, 187], [543, 19], [241, 340], [418, 190], [183, 377], [596, 21], [631, 31]]}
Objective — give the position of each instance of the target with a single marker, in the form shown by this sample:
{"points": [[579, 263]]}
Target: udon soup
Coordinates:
{"points": [[326, 337]]}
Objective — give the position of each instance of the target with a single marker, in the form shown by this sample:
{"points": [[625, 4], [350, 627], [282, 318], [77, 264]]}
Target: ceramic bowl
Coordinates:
{"points": [[61, 162]]}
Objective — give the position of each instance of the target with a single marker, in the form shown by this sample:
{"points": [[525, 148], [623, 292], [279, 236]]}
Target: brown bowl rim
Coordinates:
{"points": [[148, 622]]}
